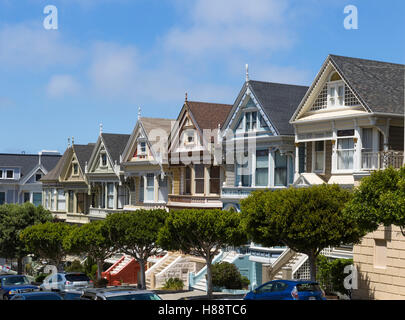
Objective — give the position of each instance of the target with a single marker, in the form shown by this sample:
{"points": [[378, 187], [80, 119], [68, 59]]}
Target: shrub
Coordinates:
{"points": [[101, 283], [173, 284], [331, 274], [40, 278], [226, 275], [75, 266]]}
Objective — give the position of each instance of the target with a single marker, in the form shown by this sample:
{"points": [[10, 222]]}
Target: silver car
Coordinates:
{"points": [[118, 293], [65, 281]]}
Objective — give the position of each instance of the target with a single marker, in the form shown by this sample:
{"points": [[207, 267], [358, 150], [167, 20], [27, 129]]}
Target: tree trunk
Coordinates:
{"points": [[209, 276], [143, 276], [20, 265], [99, 269], [312, 265]]}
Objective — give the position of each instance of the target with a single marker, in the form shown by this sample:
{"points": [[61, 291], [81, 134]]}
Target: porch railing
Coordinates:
{"points": [[382, 160]]}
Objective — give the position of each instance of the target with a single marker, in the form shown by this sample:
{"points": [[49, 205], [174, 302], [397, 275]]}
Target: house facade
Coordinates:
{"points": [[195, 156], [145, 166], [351, 123], [66, 187], [21, 174]]}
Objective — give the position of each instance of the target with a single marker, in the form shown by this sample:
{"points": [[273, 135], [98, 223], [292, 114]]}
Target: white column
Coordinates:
{"points": [[358, 147], [297, 162], [334, 147], [253, 168], [115, 206]]}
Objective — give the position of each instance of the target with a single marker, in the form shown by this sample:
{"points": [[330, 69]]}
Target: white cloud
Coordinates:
{"points": [[33, 47], [62, 85], [227, 25]]}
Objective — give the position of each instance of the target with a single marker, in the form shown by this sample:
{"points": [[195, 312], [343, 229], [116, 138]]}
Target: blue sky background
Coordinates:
{"points": [[109, 57]]}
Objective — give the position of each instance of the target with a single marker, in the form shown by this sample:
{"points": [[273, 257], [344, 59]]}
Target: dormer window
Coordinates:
{"points": [[75, 169], [38, 177], [103, 160], [189, 137], [9, 174], [336, 91], [251, 121]]}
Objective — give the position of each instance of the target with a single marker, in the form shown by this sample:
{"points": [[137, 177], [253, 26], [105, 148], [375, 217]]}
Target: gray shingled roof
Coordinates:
{"points": [[379, 84], [115, 144], [83, 153], [54, 174], [27, 162], [279, 101]]}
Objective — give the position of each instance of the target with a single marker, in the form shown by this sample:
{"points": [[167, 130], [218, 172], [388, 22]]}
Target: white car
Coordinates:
{"points": [[64, 281]]}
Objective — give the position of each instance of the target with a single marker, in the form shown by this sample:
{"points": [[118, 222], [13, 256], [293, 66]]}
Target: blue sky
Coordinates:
{"points": [[109, 57]]}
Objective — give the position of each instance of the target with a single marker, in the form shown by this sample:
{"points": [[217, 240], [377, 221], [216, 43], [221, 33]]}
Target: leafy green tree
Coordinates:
{"points": [[202, 233], [93, 240], [305, 219], [46, 241], [135, 233], [379, 200], [13, 219]]}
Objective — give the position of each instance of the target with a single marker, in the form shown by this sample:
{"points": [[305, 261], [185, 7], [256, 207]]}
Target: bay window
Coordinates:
{"points": [[150, 187], [280, 170], [243, 170], [37, 198], [319, 155], [110, 195], [61, 200], [188, 181], [199, 178], [345, 153], [262, 168], [122, 197], [163, 189], [215, 180], [71, 199]]}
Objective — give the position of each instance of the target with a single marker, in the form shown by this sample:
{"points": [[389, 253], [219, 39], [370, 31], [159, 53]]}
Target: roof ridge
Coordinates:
{"points": [[369, 60], [223, 104], [283, 84]]}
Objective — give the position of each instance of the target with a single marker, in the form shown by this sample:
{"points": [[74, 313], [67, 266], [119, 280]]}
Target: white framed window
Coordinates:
{"points": [[9, 174], [319, 156], [251, 121], [38, 177], [1, 174], [262, 168], [37, 198], [150, 187], [336, 91], [345, 153], [53, 205], [61, 200], [103, 159], [110, 195], [280, 170], [75, 169], [142, 148], [187, 180], [199, 171], [123, 197]]}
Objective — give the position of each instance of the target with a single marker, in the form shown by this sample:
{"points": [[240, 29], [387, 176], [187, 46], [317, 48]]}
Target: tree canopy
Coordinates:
{"points": [[93, 240], [202, 233], [13, 219], [135, 233], [46, 241], [306, 220], [379, 200]]}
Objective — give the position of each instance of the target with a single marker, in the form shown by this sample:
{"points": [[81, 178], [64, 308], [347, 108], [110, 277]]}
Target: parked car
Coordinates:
{"points": [[15, 284], [63, 281], [39, 295], [71, 294], [287, 290], [119, 293]]}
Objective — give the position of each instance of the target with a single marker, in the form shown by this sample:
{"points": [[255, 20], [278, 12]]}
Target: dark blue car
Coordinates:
{"points": [[287, 290], [39, 295], [14, 284]]}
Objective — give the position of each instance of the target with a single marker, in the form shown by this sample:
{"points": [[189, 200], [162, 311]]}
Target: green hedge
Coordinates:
{"points": [[226, 275]]}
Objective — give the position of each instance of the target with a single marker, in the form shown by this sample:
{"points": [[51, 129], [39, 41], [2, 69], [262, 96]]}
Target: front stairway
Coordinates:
{"points": [[159, 267], [125, 270]]}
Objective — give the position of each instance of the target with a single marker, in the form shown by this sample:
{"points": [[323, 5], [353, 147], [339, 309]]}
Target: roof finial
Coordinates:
{"points": [[186, 97], [139, 113], [247, 72], [68, 142], [73, 141], [101, 128]]}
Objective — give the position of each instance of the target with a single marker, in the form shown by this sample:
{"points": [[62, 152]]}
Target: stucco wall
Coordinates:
{"points": [[381, 282]]}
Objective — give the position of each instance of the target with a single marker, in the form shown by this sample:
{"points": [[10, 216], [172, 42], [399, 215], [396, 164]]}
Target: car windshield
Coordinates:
{"points": [[17, 280], [304, 287], [139, 296], [77, 277]]}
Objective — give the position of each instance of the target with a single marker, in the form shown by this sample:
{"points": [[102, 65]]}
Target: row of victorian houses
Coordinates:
{"points": [[348, 123]]}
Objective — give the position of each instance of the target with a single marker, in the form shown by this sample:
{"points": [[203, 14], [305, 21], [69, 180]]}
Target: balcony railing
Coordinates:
{"points": [[203, 201], [382, 160]]}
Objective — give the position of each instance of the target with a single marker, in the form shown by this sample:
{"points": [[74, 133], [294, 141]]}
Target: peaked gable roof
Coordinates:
{"points": [[208, 115], [115, 144], [279, 101], [83, 153], [55, 173], [378, 85]]}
